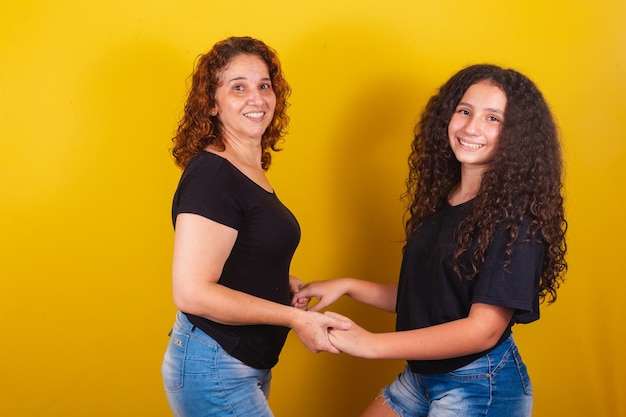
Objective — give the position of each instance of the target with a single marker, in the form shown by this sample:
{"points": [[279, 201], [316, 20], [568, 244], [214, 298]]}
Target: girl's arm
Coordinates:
{"points": [[478, 332], [382, 296], [201, 247]]}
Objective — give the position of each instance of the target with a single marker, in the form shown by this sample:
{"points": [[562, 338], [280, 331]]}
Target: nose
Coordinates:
{"points": [[254, 97], [472, 126]]}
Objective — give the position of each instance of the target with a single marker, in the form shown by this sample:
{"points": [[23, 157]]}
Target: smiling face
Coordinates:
{"points": [[245, 100], [474, 128]]}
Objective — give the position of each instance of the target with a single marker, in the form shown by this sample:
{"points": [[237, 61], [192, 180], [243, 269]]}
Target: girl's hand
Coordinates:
{"points": [[355, 341], [327, 292]]}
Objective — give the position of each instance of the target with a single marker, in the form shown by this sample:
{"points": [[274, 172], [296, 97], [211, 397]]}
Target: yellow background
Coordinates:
{"points": [[90, 93]]}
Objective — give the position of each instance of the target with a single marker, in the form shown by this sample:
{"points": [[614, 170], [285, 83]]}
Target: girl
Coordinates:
{"points": [[485, 244]]}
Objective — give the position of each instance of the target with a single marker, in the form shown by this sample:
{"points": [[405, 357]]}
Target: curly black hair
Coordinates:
{"points": [[524, 179]]}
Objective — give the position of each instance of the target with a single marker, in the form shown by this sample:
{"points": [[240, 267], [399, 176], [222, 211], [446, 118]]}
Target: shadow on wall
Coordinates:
{"points": [[133, 96], [363, 137]]}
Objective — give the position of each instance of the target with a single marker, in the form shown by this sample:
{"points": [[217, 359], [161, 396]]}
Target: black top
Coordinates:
{"points": [[258, 264], [431, 293]]}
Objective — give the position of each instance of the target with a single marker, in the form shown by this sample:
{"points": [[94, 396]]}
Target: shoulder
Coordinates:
{"points": [[208, 168], [521, 231], [207, 162], [209, 187], [516, 241]]}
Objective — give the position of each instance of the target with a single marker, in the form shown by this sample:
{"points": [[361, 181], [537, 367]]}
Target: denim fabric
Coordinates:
{"points": [[495, 385], [201, 379]]}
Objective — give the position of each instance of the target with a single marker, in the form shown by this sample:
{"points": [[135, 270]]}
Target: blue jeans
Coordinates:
{"points": [[201, 379], [495, 385]]}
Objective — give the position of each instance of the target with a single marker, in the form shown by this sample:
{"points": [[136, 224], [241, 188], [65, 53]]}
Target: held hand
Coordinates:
{"points": [[355, 341], [295, 285], [327, 292], [312, 329]]}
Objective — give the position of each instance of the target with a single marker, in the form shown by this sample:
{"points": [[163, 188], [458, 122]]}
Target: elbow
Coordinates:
{"points": [[489, 324], [491, 340], [180, 302], [489, 337], [184, 301]]}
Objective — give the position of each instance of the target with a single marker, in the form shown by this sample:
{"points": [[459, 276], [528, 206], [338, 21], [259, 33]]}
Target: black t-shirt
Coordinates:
{"points": [[258, 264], [431, 293]]}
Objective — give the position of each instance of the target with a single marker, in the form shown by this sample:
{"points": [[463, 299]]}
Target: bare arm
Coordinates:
{"points": [[479, 331], [201, 247], [382, 296]]}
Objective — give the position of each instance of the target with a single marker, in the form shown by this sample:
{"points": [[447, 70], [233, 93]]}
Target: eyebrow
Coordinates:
{"points": [[491, 109], [244, 78]]}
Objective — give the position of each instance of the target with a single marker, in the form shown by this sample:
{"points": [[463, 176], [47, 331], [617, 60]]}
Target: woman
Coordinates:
{"points": [[485, 243], [234, 240]]}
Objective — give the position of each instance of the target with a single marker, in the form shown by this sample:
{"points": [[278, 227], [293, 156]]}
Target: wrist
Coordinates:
{"points": [[374, 348], [348, 286], [296, 318]]}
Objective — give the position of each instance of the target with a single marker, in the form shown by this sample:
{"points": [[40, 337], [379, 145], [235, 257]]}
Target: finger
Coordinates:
{"points": [[334, 341], [303, 289], [297, 298], [335, 315], [322, 302], [342, 322], [317, 307], [330, 348], [300, 300]]}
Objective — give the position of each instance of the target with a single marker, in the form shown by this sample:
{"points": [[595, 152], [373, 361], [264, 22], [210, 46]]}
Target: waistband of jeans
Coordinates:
{"points": [[183, 321]]}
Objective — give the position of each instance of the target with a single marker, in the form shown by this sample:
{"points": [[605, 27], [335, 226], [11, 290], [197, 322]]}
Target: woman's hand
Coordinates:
{"points": [[312, 328]]}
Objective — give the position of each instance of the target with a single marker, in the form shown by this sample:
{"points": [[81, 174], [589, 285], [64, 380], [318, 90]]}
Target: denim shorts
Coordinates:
{"points": [[495, 385], [201, 379]]}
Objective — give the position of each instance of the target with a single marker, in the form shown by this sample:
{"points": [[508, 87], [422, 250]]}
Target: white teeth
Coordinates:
{"points": [[254, 115], [471, 145]]}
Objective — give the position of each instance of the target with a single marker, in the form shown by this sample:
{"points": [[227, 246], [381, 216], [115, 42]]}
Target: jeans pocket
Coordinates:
{"points": [[523, 372], [173, 366]]}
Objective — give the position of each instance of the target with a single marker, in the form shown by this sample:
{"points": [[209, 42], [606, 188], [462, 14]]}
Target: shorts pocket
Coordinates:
{"points": [[523, 372], [173, 366]]}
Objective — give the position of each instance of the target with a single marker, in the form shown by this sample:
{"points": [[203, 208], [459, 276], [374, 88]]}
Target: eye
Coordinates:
{"points": [[493, 119], [266, 86], [238, 87], [464, 112]]}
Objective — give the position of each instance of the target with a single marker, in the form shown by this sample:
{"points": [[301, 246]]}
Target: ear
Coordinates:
{"points": [[214, 111]]}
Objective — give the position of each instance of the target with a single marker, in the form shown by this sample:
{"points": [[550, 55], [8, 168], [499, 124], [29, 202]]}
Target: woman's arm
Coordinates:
{"points": [[478, 332], [201, 247], [382, 296]]}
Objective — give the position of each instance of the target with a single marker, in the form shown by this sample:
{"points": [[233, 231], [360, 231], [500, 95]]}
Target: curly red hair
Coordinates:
{"points": [[197, 129], [524, 179]]}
